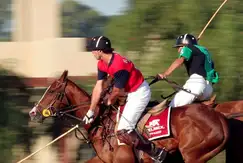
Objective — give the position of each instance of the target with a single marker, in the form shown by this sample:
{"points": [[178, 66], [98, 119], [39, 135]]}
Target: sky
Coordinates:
{"points": [[106, 7]]}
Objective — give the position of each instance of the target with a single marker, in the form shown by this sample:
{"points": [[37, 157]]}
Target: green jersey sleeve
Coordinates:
{"points": [[186, 53]]}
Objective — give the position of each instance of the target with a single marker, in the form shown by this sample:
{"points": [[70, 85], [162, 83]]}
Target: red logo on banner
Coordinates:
{"points": [[158, 126]]}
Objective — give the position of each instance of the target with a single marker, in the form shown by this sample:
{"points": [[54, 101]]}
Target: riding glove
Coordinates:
{"points": [[89, 117]]}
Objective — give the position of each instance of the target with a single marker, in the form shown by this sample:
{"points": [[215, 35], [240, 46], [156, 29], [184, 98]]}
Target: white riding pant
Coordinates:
{"points": [[200, 88], [135, 105]]}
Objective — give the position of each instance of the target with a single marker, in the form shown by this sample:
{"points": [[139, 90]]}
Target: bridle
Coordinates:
{"points": [[64, 111], [59, 100]]}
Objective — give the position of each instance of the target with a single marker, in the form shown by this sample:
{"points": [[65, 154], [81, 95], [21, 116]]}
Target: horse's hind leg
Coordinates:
{"points": [[201, 150]]}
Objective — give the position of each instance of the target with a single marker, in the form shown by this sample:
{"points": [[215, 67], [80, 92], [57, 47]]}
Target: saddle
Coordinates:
{"points": [[210, 102], [154, 108]]}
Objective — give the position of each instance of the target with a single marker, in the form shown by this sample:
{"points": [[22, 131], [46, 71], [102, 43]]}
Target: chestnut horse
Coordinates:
{"points": [[198, 133], [233, 111]]}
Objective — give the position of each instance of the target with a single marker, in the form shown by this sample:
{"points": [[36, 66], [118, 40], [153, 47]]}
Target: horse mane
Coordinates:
{"points": [[106, 118], [79, 88]]}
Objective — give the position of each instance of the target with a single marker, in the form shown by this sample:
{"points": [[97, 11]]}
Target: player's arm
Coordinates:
{"points": [[121, 78], [177, 63], [98, 88]]}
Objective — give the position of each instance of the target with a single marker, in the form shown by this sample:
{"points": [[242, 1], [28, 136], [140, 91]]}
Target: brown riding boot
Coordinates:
{"points": [[131, 138]]}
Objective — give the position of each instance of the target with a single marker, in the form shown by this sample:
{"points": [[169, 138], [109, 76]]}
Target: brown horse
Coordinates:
{"points": [[233, 110], [198, 132]]}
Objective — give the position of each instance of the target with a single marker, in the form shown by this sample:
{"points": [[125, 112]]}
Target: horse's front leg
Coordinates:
{"points": [[95, 159], [124, 154]]}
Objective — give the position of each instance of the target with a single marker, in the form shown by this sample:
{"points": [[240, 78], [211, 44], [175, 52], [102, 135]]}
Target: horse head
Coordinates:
{"points": [[60, 97]]}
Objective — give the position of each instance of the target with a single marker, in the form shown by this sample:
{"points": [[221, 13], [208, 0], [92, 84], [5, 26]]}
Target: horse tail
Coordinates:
{"points": [[219, 148]]}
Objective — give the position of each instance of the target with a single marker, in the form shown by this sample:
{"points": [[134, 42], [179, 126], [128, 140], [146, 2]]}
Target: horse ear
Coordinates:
{"points": [[64, 76]]}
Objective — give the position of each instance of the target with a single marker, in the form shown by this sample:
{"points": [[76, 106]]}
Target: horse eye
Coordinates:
{"points": [[51, 91]]}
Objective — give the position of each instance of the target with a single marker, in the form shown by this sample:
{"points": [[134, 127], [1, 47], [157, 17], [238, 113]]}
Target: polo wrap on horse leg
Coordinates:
{"points": [[131, 138]]}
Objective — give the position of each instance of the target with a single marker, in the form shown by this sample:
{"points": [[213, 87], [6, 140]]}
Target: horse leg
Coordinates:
{"points": [[235, 144], [193, 152], [124, 154], [95, 159]]}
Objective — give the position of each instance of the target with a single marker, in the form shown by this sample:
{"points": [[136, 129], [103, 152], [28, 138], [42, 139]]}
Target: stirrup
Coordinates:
{"points": [[161, 157]]}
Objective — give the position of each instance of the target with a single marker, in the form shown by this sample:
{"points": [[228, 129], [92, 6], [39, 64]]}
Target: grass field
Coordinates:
{"points": [[220, 158]]}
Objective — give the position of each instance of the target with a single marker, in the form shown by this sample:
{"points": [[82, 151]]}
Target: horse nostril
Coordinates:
{"points": [[32, 113]]}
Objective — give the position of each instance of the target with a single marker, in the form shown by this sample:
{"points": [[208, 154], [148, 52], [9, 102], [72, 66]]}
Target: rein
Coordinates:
{"points": [[104, 136], [235, 115], [72, 108], [64, 112], [173, 84]]}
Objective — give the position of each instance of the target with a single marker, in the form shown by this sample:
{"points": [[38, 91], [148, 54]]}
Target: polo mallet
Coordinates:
{"points": [[53, 141], [205, 27]]}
